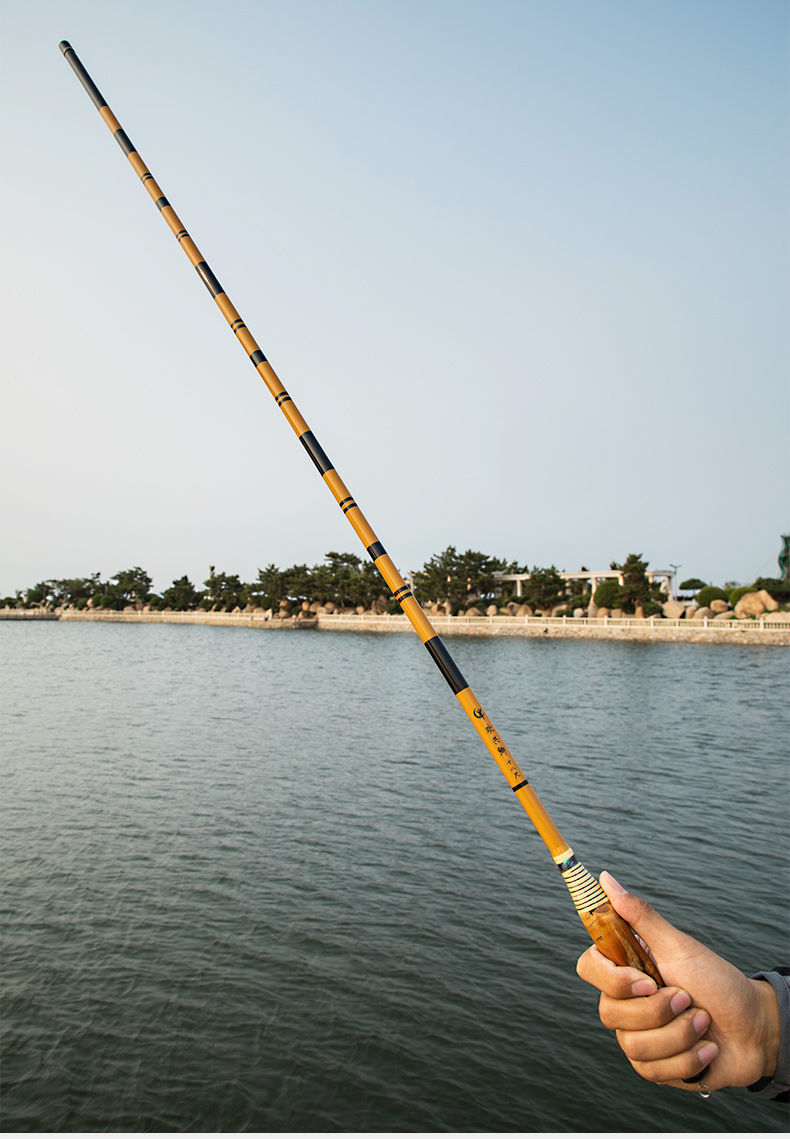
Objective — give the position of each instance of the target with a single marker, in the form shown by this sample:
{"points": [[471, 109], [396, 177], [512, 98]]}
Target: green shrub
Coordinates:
{"points": [[692, 583], [711, 593], [776, 586], [607, 595], [737, 593]]}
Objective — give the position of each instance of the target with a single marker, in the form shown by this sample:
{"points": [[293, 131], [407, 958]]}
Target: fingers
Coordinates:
{"points": [[666, 1041], [617, 981], [644, 1014], [678, 1068], [661, 1032]]}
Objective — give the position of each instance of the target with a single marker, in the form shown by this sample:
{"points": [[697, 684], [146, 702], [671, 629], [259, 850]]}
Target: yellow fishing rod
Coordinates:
{"points": [[611, 934]]}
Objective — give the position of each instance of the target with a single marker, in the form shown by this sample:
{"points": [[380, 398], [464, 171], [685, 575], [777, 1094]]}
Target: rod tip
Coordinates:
{"points": [[65, 46]]}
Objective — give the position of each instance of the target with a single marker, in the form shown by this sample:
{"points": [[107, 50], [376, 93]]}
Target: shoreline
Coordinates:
{"points": [[757, 631]]}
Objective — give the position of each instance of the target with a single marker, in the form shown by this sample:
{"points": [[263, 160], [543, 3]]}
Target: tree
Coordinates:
{"points": [[269, 587], [636, 590], [223, 590], [347, 580], [75, 590], [457, 578], [297, 583], [128, 587], [544, 588], [181, 594], [37, 594]]}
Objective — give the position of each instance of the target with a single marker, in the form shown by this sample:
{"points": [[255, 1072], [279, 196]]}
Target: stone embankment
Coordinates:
{"points": [[769, 628], [252, 618], [763, 631]]}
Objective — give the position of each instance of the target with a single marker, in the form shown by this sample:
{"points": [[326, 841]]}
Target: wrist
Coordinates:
{"points": [[768, 1027]]}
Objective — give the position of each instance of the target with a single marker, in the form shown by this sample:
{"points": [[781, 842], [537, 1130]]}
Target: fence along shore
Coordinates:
{"points": [[770, 629]]}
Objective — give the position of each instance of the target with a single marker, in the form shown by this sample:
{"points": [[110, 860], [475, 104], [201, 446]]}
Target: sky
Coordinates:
{"points": [[522, 266]]}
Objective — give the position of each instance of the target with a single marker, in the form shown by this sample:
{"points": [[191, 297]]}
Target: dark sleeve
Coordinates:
{"points": [[778, 1086]]}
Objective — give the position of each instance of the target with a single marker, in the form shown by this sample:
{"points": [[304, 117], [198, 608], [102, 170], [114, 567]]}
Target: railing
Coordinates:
{"points": [[749, 624], [726, 629]]}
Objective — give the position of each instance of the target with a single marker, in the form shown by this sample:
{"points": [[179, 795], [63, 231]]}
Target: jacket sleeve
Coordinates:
{"points": [[778, 1086]]}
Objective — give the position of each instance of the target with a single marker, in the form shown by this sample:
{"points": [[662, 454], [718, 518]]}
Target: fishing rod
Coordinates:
{"points": [[613, 936]]}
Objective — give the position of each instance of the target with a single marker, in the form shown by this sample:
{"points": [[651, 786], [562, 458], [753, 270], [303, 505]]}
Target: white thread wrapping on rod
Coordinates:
{"points": [[585, 891]]}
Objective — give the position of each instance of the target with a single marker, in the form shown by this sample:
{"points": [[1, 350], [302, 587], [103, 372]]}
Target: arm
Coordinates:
{"points": [[708, 1013]]}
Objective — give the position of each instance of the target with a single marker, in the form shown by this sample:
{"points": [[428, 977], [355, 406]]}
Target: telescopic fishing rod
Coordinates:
{"points": [[613, 936]]}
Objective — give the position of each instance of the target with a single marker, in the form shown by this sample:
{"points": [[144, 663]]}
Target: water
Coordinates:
{"points": [[271, 881]]}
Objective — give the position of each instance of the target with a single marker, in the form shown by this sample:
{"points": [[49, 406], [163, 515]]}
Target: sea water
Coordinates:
{"points": [[272, 881]]}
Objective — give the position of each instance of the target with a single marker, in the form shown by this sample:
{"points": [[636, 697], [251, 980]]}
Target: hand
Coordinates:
{"points": [[708, 1013]]}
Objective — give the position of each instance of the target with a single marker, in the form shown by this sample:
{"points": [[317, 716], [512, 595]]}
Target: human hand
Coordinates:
{"points": [[708, 1013]]}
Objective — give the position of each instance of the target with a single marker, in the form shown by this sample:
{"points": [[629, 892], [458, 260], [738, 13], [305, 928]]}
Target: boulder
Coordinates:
{"points": [[491, 611], [691, 611], [725, 615], [778, 615], [473, 611], [750, 605], [704, 611], [674, 610], [524, 611], [579, 612], [719, 605], [602, 611], [771, 605]]}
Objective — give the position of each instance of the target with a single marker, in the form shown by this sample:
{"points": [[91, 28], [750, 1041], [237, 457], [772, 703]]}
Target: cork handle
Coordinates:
{"points": [[617, 941]]}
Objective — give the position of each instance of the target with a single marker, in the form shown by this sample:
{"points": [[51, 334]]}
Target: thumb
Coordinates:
{"points": [[658, 934]]}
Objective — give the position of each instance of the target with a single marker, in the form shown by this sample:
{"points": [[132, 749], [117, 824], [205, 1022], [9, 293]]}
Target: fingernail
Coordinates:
{"points": [[611, 885], [680, 1002], [644, 988], [707, 1053], [701, 1022]]}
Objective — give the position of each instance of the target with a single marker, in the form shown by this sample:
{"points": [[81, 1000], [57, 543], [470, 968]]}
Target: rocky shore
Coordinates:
{"points": [[771, 627]]}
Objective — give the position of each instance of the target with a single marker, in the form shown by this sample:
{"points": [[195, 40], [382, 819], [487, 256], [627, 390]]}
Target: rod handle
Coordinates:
{"points": [[617, 941]]}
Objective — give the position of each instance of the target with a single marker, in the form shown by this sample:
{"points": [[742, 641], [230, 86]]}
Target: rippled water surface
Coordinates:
{"points": [[272, 881]]}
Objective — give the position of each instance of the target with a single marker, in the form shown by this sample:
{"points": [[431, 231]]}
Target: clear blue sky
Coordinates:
{"points": [[522, 266]]}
